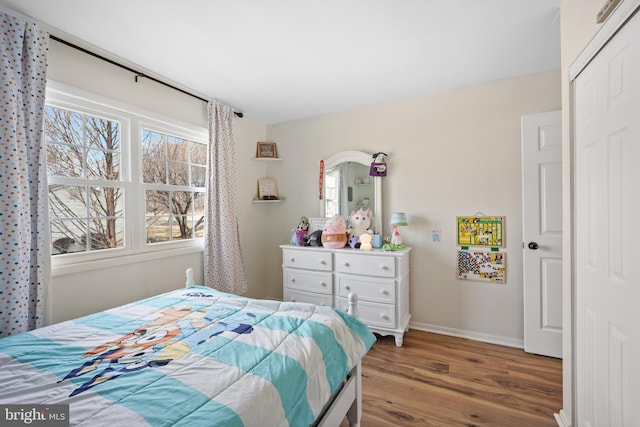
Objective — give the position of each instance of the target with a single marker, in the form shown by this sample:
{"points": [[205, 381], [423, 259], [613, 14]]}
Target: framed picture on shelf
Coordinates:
{"points": [[267, 189], [267, 150]]}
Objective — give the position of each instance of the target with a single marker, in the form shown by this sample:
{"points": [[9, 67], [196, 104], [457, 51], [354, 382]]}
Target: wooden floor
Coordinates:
{"points": [[438, 380]]}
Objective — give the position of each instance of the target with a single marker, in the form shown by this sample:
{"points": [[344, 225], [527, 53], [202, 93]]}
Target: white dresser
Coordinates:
{"points": [[327, 276]]}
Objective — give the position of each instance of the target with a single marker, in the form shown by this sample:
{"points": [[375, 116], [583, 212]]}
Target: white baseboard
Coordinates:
{"points": [[477, 336], [562, 419]]}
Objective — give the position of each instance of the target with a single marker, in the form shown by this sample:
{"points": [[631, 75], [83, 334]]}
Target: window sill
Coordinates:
{"points": [[84, 266]]}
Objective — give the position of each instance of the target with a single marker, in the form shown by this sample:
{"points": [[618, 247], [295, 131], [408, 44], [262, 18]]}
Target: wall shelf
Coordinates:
{"points": [[268, 201], [266, 159]]}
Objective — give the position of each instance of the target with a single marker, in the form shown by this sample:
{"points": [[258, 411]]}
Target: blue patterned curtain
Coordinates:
{"points": [[223, 264], [23, 254]]}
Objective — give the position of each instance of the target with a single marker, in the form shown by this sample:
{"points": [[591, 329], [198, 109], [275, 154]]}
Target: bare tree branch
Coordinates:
{"points": [[87, 147]]}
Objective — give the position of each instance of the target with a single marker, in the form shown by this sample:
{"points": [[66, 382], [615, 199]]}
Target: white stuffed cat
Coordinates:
{"points": [[359, 223]]}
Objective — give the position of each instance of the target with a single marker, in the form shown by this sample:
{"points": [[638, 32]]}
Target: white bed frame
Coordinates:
{"points": [[347, 402]]}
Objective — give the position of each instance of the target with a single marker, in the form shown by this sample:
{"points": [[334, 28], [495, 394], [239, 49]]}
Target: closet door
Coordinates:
{"points": [[607, 233]]}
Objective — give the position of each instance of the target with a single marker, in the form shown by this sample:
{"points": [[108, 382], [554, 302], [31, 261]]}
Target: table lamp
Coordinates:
{"points": [[398, 219]]}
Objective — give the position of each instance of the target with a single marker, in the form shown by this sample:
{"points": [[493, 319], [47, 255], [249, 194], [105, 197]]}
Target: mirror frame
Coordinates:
{"points": [[364, 159]]}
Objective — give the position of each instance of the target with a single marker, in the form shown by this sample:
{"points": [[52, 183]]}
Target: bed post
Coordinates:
{"points": [[190, 281], [354, 415], [353, 304]]}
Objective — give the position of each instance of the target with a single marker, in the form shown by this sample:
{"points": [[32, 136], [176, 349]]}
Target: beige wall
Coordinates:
{"points": [[80, 70], [578, 26], [452, 153]]}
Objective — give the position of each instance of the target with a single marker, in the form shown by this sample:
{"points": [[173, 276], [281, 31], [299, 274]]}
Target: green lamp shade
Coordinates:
{"points": [[399, 218]]}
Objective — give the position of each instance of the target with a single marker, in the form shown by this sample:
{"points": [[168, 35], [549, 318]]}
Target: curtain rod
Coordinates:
{"points": [[136, 72]]}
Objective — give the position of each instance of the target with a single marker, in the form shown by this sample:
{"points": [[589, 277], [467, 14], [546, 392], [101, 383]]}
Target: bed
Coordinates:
{"points": [[193, 357]]}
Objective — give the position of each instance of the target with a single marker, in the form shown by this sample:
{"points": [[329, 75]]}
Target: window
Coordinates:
{"points": [[332, 192], [174, 176], [121, 182], [85, 190]]}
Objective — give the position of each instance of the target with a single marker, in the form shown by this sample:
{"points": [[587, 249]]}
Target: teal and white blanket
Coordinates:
{"points": [[191, 357]]}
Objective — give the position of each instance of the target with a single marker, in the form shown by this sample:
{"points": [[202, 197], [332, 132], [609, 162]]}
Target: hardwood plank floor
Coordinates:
{"points": [[438, 380]]}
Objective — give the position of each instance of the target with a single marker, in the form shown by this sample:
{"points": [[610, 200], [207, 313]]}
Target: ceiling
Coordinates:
{"points": [[281, 60]]}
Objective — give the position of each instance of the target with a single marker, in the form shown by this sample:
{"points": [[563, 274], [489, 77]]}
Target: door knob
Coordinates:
{"points": [[533, 245]]}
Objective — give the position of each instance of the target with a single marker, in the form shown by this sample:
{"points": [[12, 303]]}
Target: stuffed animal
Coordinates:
{"points": [[314, 239], [334, 233], [365, 242], [359, 222], [354, 242], [297, 238]]}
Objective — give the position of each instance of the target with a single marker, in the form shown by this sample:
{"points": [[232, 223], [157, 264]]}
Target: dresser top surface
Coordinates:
{"points": [[348, 250]]}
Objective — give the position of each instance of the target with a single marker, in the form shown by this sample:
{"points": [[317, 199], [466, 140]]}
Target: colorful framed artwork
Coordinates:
{"points": [[482, 266], [481, 231], [266, 150]]}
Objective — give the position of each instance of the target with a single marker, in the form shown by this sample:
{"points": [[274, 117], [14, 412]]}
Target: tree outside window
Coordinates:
{"points": [[86, 195], [87, 191], [174, 174]]}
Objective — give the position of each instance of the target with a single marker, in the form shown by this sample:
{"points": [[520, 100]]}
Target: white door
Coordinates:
{"points": [[607, 234], [542, 232]]}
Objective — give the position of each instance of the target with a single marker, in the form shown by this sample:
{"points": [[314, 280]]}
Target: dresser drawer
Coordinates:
{"points": [[309, 297], [372, 265], [312, 281], [311, 260], [369, 289], [372, 314]]}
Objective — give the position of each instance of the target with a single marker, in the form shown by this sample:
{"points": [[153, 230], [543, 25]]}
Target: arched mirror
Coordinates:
{"points": [[348, 187]]}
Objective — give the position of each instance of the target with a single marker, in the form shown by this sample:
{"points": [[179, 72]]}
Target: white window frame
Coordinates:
{"points": [[132, 120], [160, 127]]}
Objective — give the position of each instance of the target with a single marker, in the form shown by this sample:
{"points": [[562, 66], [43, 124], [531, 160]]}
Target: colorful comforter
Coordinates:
{"points": [[191, 357]]}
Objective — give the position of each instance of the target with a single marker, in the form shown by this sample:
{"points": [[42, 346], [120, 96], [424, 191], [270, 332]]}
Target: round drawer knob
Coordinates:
{"points": [[323, 262], [383, 267], [293, 280], [323, 284], [346, 264], [383, 316], [384, 292], [293, 259], [348, 287]]}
